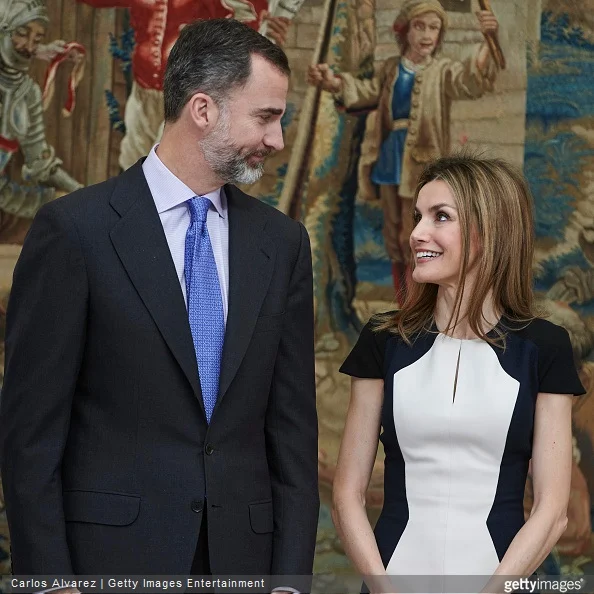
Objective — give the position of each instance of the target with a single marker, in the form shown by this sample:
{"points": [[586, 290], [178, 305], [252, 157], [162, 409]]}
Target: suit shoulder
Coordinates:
{"points": [[85, 199], [276, 221]]}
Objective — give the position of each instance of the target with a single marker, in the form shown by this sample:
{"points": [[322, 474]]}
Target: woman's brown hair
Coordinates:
{"points": [[493, 200]]}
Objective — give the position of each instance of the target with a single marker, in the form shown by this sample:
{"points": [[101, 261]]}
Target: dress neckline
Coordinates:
{"points": [[491, 334]]}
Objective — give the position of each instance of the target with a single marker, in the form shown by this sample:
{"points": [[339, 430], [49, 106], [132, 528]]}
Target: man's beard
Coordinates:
{"points": [[229, 162]]}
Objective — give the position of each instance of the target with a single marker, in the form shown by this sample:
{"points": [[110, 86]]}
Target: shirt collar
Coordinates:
{"points": [[169, 191]]}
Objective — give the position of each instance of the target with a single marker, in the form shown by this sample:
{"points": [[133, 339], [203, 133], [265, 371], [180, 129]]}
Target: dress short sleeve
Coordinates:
{"points": [[556, 366], [366, 360]]}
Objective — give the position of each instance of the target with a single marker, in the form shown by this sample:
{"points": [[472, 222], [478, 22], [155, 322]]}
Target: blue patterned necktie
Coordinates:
{"points": [[205, 304]]}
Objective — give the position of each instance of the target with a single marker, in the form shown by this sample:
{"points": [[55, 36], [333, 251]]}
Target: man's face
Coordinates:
{"points": [[26, 38], [249, 128], [423, 34]]}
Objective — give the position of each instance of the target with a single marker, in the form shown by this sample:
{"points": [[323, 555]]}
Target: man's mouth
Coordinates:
{"points": [[259, 156]]}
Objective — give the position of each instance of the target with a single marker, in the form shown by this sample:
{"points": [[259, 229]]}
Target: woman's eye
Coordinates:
{"points": [[416, 217], [442, 216]]}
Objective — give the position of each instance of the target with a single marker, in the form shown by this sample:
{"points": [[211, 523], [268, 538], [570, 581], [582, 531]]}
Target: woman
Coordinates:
{"points": [[412, 95], [468, 386]]}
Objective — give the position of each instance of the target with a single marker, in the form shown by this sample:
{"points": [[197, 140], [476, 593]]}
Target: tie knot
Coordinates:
{"points": [[198, 207]]}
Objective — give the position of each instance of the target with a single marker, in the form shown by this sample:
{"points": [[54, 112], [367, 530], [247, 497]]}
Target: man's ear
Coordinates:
{"points": [[203, 111]]}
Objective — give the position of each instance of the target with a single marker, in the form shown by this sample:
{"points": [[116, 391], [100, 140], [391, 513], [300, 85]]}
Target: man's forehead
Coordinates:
{"points": [[261, 67], [267, 87], [34, 24], [428, 17]]}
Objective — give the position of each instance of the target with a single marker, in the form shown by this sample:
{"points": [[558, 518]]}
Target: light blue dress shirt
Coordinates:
{"points": [[170, 195]]}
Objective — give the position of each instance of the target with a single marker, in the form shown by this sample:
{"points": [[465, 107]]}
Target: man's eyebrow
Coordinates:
{"points": [[268, 110]]}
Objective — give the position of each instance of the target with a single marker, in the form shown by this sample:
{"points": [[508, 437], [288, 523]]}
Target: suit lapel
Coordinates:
{"points": [[251, 262], [140, 242]]}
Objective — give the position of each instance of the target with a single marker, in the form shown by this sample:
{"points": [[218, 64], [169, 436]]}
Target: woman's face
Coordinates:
{"points": [[423, 35], [436, 240]]}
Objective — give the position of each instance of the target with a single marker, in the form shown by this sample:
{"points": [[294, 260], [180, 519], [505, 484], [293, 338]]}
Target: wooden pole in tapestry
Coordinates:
{"points": [[492, 39], [298, 162]]}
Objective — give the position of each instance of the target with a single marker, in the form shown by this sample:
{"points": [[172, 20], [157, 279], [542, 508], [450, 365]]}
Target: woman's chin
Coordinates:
{"points": [[419, 277], [422, 276]]}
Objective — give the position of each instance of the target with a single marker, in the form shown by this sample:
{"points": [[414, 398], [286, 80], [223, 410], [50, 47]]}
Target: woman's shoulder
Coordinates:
{"points": [[366, 359], [380, 328], [540, 331]]}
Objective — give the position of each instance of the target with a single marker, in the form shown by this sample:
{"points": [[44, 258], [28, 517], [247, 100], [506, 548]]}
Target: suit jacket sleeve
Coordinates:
{"points": [[45, 333], [292, 429]]}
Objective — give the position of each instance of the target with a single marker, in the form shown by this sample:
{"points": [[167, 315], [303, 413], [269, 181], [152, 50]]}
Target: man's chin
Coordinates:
{"points": [[250, 175], [254, 176]]}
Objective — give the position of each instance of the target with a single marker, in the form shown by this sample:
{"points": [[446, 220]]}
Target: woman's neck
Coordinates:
{"points": [[445, 313]]}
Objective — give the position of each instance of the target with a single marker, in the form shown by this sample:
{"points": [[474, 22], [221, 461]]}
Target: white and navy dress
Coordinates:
{"points": [[457, 426]]}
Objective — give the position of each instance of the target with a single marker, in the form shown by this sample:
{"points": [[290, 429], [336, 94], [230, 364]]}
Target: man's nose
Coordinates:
{"points": [[30, 45], [274, 138]]}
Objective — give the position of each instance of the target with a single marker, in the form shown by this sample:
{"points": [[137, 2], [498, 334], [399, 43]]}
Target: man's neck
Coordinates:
{"points": [[187, 166]]}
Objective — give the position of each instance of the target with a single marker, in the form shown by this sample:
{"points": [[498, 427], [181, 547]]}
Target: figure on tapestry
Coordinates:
{"points": [[410, 99], [156, 26], [22, 29]]}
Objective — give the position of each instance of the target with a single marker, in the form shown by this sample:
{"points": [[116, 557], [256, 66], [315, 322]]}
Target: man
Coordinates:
{"points": [[158, 409], [23, 25], [156, 26]]}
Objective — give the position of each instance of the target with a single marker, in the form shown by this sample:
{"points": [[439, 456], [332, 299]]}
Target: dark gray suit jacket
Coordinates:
{"points": [[106, 453]]}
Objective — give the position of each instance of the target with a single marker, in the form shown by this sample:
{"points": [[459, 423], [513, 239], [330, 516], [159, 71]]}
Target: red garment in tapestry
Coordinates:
{"points": [[10, 145], [157, 24]]}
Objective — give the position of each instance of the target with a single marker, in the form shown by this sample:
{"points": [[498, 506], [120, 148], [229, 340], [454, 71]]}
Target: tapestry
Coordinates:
{"points": [[91, 79]]}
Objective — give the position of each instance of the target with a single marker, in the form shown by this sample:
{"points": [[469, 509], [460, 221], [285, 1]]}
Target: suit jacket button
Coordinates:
{"points": [[196, 506], [208, 449]]}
